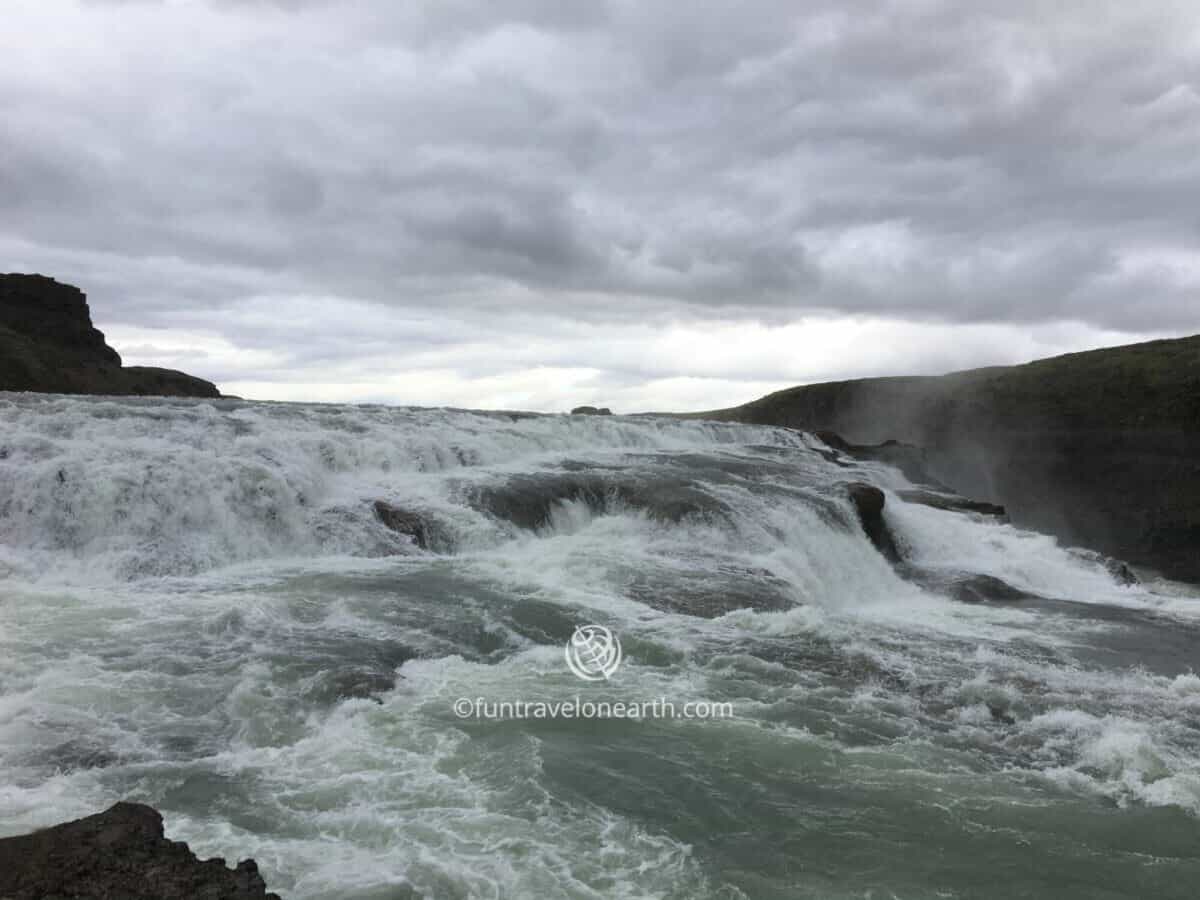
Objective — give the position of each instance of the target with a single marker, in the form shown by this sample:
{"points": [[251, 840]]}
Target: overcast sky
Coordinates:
{"points": [[645, 205]]}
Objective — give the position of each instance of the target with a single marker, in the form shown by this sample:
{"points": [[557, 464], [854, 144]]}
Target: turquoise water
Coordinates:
{"points": [[200, 610]]}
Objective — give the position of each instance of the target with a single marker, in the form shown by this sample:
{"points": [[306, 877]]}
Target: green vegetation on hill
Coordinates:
{"points": [[1101, 448]]}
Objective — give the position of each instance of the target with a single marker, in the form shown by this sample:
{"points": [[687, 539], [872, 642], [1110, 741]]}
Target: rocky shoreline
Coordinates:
{"points": [[119, 854]]}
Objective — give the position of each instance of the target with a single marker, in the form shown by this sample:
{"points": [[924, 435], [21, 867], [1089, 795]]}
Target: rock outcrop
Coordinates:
{"points": [[48, 344], [591, 411], [952, 502], [528, 501], [868, 502], [403, 522], [908, 458], [119, 854], [1099, 448]]}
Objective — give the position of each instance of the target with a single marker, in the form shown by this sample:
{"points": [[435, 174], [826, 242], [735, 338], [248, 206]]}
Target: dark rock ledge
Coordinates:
{"points": [[868, 502], [119, 854], [402, 521]]}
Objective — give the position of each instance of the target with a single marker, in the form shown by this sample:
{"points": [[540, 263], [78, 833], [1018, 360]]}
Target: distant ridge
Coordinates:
{"points": [[1101, 448], [48, 344]]}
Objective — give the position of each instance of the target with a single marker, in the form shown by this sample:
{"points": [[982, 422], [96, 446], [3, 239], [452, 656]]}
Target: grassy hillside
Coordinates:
{"points": [[1101, 448]]}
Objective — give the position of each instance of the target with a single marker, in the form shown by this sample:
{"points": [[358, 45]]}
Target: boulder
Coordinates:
{"points": [[951, 502], [868, 502], [403, 522], [987, 589], [967, 587], [1118, 570], [527, 501], [591, 411], [708, 594], [119, 854], [48, 344]]}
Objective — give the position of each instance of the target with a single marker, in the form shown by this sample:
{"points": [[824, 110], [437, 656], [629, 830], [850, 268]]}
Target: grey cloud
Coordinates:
{"points": [[935, 161]]}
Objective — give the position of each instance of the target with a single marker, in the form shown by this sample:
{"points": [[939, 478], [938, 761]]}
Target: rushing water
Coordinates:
{"points": [[200, 609]]}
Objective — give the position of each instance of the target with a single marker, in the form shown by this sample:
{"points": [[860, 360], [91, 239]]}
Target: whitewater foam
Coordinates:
{"points": [[201, 609]]}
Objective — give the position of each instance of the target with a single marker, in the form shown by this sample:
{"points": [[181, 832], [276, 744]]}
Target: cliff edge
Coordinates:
{"points": [[1100, 448], [48, 344]]}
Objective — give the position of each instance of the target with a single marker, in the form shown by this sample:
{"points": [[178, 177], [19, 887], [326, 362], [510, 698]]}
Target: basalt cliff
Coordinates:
{"points": [[1100, 448], [48, 344]]}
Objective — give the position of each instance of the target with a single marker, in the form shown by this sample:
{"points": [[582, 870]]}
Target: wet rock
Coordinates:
{"points": [[833, 456], [868, 502], [591, 411], [834, 440], [119, 854], [334, 665], [1120, 571], [988, 589], [712, 594], [908, 458], [403, 522], [951, 502], [968, 587], [527, 501], [77, 754], [670, 501], [1000, 715], [542, 621], [351, 683], [849, 668]]}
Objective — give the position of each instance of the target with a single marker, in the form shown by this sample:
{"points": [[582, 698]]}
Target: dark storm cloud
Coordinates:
{"points": [[984, 162]]}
